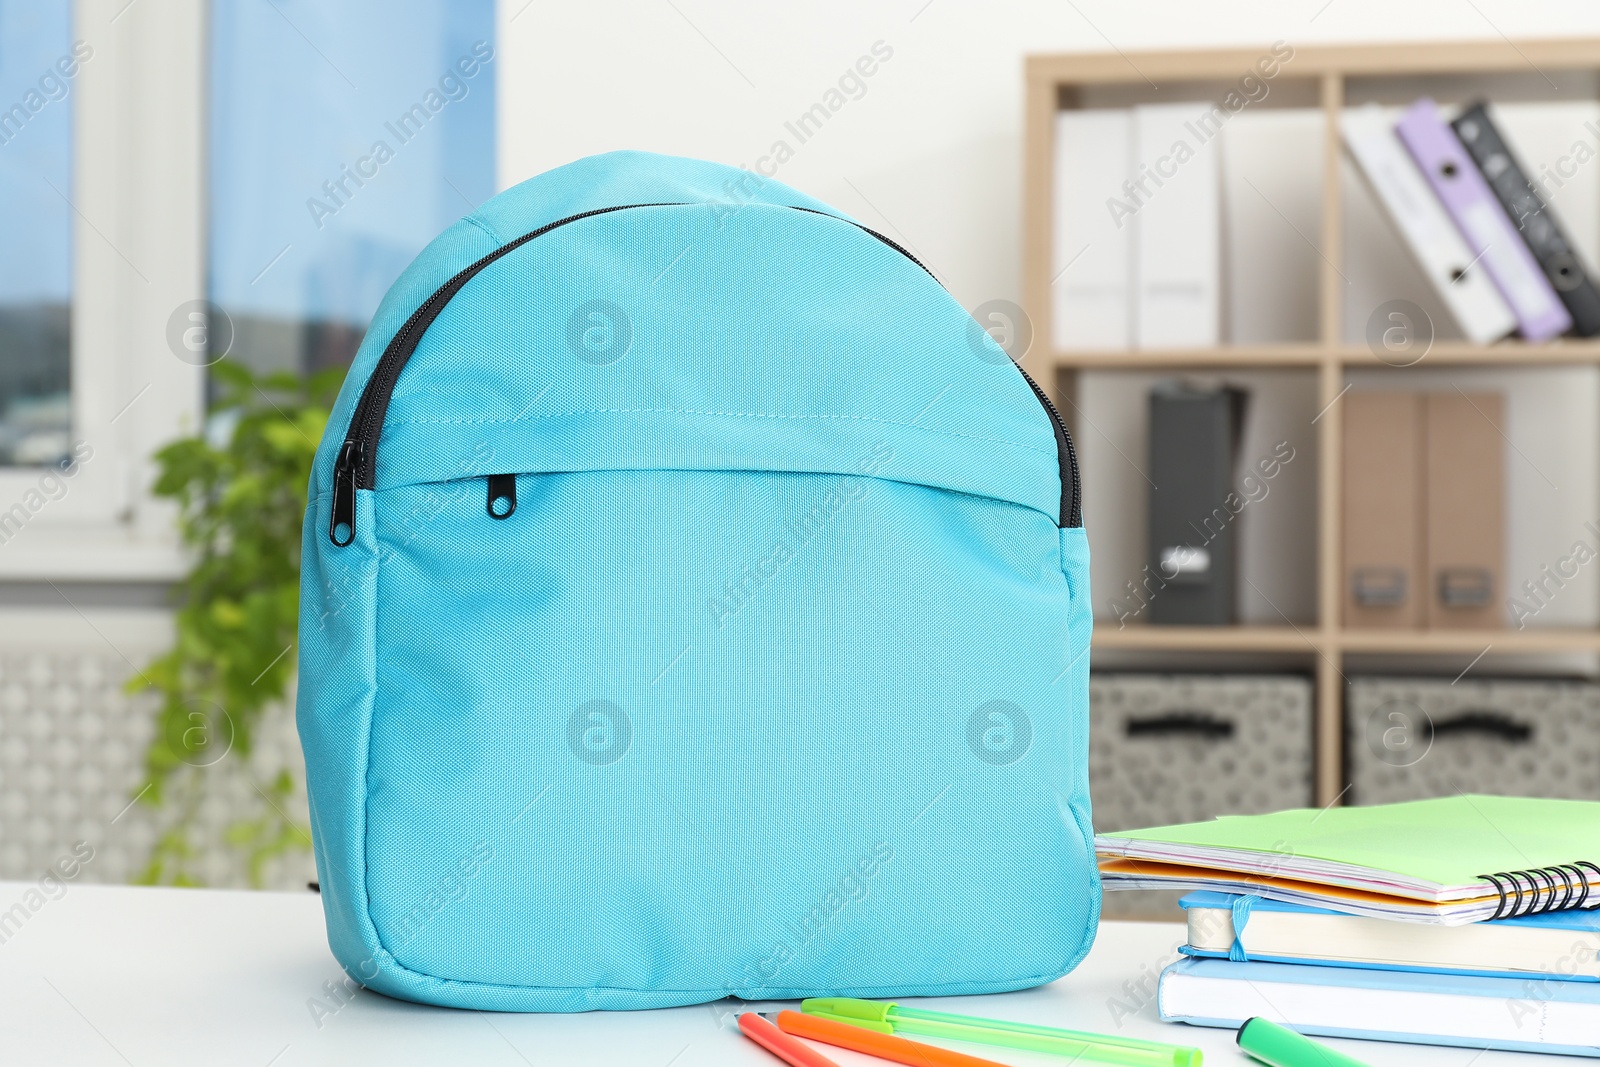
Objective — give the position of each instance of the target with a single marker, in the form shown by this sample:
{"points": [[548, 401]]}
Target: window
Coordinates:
{"points": [[38, 65], [280, 159], [342, 139]]}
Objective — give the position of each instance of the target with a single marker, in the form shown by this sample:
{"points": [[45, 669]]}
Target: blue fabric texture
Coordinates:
{"points": [[773, 684]]}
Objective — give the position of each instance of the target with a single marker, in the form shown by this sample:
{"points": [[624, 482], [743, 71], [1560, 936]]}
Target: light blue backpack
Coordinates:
{"points": [[694, 604]]}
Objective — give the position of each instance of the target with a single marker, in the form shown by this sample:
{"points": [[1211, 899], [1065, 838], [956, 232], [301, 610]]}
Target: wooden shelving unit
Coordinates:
{"points": [[1303, 355], [1316, 77], [1314, 639]]}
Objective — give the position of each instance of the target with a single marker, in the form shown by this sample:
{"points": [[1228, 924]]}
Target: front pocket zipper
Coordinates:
{"points": [[356, 467]]}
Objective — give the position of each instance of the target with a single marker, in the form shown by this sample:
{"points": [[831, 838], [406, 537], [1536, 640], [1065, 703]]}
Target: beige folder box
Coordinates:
{"points": [[1382, 516], [1465, 521]]}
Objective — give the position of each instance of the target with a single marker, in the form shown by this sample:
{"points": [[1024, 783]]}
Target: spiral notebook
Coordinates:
{"points": [[1446, 861]]}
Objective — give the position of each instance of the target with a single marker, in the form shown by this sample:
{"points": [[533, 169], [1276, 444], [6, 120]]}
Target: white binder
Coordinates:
{"points": [[1272, 170], [1177, 242], [1091, 294]]}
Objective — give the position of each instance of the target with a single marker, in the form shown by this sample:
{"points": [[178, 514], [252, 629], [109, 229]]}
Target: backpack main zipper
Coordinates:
{"points": [[356, 467]]}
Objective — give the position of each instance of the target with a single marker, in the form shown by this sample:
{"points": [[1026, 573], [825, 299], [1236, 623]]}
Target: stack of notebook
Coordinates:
{"points": [[1466, 920]]}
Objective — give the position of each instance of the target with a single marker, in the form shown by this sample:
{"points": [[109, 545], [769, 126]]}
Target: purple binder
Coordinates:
{"points": [[1482, 221]]}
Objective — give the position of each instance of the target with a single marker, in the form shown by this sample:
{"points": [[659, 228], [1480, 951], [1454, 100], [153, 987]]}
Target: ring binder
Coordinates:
{"points": [[1540, 879]]}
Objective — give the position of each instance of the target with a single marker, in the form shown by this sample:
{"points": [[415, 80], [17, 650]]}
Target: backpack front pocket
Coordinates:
{"points": [[716, 732]]}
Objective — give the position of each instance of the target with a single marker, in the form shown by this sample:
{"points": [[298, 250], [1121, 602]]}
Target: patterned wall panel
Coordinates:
{"points": [[72, 746]]}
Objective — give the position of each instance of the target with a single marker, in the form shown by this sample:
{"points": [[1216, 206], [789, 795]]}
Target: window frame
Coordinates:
{"points": [[138, 204]]}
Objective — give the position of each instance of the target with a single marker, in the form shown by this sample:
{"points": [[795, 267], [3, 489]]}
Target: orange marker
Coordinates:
{"points": [[780, 1044], [884, 1046]]}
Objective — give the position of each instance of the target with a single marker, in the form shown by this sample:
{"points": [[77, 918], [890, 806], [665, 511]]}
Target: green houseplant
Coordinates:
{"points": [[241, 493]]}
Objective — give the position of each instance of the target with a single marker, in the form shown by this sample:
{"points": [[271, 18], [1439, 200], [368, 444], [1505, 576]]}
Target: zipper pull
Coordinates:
{"points": [[342, 527], [502, 495]]}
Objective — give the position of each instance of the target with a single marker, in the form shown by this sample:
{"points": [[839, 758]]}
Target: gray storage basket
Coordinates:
{"points": [[1411, 738], [1174, 748]]}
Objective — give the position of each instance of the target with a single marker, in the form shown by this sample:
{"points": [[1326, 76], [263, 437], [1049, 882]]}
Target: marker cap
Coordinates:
{"points": [[871, 1014], [1281, 1047]]}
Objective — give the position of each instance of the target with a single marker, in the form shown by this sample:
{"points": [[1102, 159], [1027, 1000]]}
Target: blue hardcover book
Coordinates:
{"points": [[1470, 1011], [1561, 945]]}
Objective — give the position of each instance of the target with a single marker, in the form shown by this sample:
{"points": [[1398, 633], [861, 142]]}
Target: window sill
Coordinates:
{"points": [[105, 555]]}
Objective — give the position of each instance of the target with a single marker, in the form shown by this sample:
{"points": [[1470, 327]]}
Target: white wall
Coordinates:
{"points": [[931, 154]]}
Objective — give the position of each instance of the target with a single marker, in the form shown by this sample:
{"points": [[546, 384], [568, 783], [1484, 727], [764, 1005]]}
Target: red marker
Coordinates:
{"points": [[780, 1044]]}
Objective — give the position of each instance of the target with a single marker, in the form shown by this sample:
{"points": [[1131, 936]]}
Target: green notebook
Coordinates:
{"points": [[1449, 860]]}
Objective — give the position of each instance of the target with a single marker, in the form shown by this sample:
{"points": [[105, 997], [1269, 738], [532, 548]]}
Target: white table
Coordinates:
{"points": [[120, 975]]}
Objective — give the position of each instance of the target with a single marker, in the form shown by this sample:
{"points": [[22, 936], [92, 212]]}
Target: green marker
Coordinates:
{"points": [[888, 1018], [1281, 1047]]}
